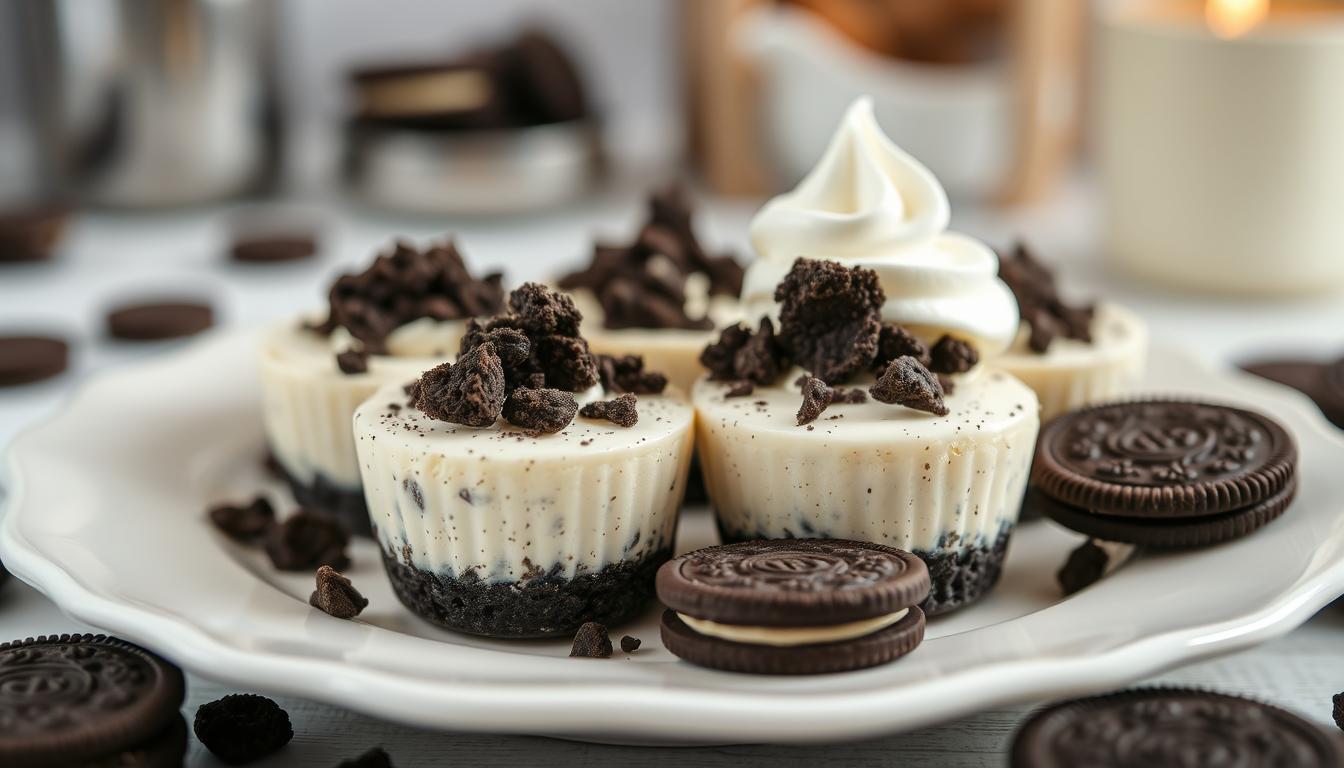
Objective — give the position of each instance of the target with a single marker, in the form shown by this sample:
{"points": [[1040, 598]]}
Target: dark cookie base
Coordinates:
{"points": [[543, 606], [957, 577], [696, 493], [339, 502]]}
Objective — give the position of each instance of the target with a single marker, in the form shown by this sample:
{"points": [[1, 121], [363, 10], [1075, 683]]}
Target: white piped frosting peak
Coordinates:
{"points": [[868, 203]]}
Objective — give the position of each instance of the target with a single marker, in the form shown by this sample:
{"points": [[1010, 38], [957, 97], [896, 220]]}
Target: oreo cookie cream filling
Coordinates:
{"points": [[402, 315], [506, 501], [859, 407]]}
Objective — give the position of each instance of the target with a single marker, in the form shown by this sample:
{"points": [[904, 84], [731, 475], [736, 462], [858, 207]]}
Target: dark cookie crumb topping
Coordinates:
{"points": [[591, 642], [626, 374], [742, 388], [407, 285], [952, 355], [830, 317], [907, 382], [470, 391], [336, 596], [242, 727], [246, 522], [630, 644], [621, 411], [643, 284], [307, 540], [353, 361], [740, 355], [893, 341], [1041, 306], [540, 410]]}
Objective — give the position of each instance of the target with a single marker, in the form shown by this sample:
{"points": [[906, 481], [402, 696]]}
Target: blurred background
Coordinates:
{"points": [[1187, 150]]}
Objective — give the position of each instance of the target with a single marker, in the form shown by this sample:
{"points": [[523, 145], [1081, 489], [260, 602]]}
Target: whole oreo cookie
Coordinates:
{"points": [[78, 699], [1172, 727], [1163, 458], [794, 606]]}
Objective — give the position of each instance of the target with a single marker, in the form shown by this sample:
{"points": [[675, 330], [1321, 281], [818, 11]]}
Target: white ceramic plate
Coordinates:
{"points": [[107, 518]]}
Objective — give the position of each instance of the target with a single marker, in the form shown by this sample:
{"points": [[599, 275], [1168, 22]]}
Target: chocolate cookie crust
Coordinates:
{"points": [[70, 699], [345, 504], [793, 582], [1164, 727], [544, 606], [1161, 458]]}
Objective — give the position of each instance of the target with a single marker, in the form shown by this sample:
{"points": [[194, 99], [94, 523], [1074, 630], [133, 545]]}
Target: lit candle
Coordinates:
{"points": [[1221, 143]]}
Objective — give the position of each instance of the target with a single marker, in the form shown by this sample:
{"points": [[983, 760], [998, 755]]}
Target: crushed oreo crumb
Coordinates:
{"points": [[242, 727], [1084, 567], [336, 596], [246, 522], [848, 396], [742, 388], [374, 758], [907, 382], [1338, 701], [511, 344], [816, 396], [630, 644], [470, 391], [591, 642], [405, 285], [952, 355], [621, 411], [626, 374], [740, 355], [307, 540], [353, 361], [893, 341], [1038, 298], [830, 317], [543, 312], [540, 410]]}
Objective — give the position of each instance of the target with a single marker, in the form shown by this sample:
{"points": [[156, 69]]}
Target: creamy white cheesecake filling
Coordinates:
{"points": [[307, 401], [784, 637], [1072, 373], [872, 471], [500, 504]]}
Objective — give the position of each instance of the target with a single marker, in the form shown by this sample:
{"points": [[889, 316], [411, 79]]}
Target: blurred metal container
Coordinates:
{"points": [[501, 171], [150, 103]]}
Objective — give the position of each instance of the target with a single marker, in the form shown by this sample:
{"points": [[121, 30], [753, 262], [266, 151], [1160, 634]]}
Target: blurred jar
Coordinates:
{"points": [[151, 103]]}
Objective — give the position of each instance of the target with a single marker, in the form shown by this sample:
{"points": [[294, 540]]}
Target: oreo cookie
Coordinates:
{"points": [[1164, 473], [1322, 382], [793, 606], [1172, 727], [29, 359], [156, 321], [87, 699]]}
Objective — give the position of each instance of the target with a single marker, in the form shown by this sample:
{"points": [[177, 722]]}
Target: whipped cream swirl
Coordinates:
{"points": [[869, 204]]}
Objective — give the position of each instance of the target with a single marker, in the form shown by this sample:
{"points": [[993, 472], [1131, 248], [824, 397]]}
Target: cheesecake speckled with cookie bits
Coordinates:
{"points": [[406, 312], [530, 486], [864, 403]]}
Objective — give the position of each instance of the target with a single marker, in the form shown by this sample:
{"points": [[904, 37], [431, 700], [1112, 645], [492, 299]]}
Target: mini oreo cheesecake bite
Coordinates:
{"points": [[803, 606], [1071, 356], [530, 486], [403, 314], [859, 407], [662, 295]]}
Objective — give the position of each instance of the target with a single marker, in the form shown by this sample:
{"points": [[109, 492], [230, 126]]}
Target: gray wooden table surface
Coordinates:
{"points": [[109, 256]]}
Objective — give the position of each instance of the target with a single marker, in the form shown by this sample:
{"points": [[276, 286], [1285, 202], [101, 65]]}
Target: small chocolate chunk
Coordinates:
{"points": [[541, 311], [626, 374], [630, 644], [273, 249], [155, 321], [952, 355], [336, 596], [741, 355], [470, 391], [591, 642], [742, 388], [1085, 567], [243, 727], [353, 361], [374, 758], [28, 359], [540, 410], [247, 522], [816, 396], [829, 318], [621, 411], [893, 341], [307, 540], [907, 382]]}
